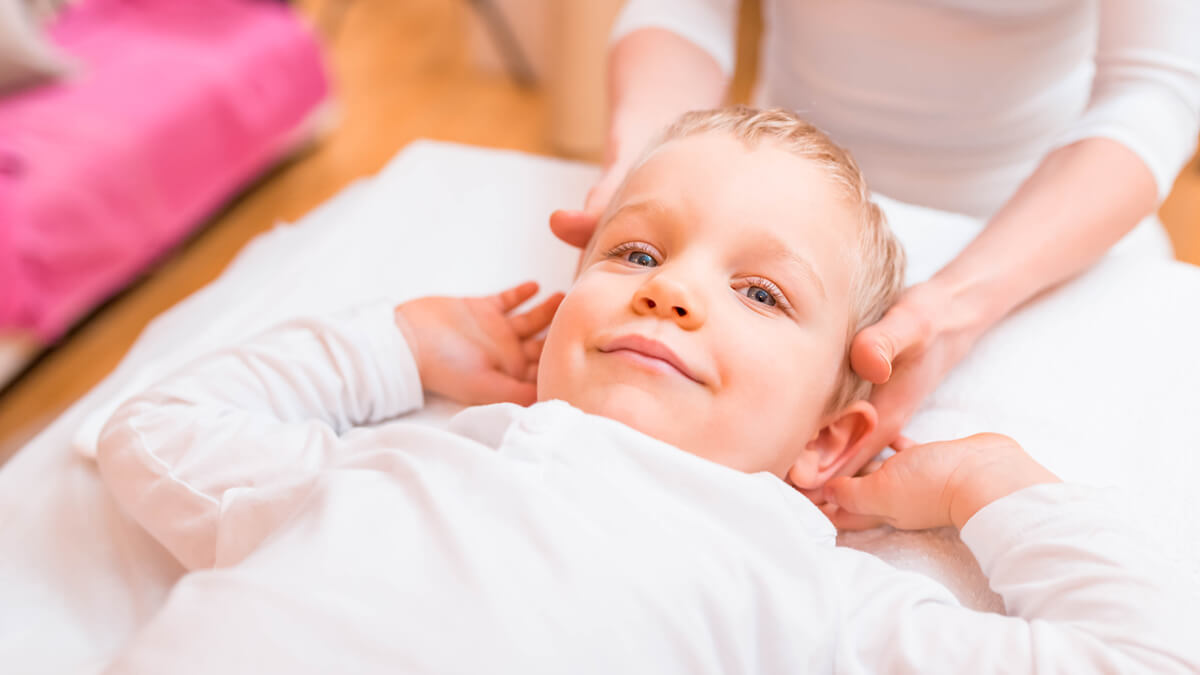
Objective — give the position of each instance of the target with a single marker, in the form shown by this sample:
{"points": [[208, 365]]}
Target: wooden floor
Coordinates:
{"points": [[402, 73]]}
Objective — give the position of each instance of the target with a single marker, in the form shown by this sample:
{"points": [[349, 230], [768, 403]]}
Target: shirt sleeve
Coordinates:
{"points": [[1146, 91], [1082, 591], [711, 25], [211, 458]]}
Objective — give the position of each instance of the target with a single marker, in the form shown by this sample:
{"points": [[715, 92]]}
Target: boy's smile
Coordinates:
{"points": [[648, 353]]}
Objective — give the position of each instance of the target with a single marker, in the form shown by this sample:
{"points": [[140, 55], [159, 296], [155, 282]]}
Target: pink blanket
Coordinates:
{"points": [[177, 104]]}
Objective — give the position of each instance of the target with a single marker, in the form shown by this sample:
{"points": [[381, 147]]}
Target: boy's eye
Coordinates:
{"points": [[760, 294], [641, 258]]}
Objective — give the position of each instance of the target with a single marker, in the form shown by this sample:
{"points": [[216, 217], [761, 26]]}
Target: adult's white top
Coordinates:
{"points": [[325, 535], [952, 103]]}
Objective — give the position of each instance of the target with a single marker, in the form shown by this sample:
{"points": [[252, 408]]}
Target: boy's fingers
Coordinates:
{"points": [[533, 349], [858, 496], [903, 443], [512, 298], [528, 324], [870, 467], [531, 373], [844, 520], [496, 387]]}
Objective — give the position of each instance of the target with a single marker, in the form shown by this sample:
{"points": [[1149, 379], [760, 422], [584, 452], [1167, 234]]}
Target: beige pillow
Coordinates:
{"points": [[26, 56]]}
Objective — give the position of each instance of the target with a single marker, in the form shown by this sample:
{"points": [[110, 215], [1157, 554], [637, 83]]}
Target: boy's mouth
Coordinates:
{"points": [[648, 352]]}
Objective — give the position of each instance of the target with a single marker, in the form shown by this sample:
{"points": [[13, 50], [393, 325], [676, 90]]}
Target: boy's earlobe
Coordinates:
{"points": [[835, 445]]}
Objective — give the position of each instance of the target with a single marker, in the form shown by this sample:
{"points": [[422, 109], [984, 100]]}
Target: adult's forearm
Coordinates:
{"points": [[654, 76], [1079, 202]]}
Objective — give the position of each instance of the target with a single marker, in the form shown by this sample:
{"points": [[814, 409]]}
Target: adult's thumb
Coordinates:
{"points": [[573, 227], [874, 351]]}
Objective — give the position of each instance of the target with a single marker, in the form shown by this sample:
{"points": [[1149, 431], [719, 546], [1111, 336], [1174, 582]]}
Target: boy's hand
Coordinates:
{"points": [[474, 350], [933, 485]]}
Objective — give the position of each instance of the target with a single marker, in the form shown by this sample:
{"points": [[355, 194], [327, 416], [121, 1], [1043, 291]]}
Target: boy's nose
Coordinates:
{"points": [[668, 299]]}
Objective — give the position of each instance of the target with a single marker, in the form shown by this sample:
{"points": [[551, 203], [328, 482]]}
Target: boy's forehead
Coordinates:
{"points": [[718, 180]]}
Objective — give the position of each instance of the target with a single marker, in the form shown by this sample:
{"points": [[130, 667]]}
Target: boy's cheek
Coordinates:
{"points": [[565, 341]]}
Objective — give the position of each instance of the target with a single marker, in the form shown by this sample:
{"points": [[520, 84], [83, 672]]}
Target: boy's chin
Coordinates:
{"points": [[649, 412]]}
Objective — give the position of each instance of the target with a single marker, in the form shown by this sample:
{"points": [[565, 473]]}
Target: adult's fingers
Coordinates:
{"points": [[895, 402], [874, 351], [903, 443], [530, 323], [573, 227], [602, 192], [509, 299]]}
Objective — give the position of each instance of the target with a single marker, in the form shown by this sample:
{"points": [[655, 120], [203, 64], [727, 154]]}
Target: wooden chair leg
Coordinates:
{"points": [[506, 42]]}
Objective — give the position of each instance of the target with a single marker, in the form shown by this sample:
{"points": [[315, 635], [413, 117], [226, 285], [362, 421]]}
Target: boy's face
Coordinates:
{"points": [[711, 308]]}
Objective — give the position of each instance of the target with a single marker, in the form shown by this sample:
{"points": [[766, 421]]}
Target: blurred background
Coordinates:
{"points": [[104, 99]]}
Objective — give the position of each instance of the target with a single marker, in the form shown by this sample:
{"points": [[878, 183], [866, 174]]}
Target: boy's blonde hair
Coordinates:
{"points": [[879, 276]]}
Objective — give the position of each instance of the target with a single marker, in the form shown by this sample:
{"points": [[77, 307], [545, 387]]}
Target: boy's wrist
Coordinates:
{"points": [[410, 337]]}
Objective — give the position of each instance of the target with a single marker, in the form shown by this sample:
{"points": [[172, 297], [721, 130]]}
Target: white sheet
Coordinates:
{"points": [[1097, 379]]}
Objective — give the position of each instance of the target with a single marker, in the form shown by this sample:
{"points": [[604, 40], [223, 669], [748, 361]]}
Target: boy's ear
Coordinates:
{"points": [[837, 443]]}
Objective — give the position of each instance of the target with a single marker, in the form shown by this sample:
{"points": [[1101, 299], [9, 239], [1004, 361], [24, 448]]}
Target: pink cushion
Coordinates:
{"points": [[177, 104]]}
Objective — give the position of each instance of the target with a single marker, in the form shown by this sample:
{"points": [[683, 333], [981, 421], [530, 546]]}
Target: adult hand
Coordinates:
{"points": [[906, 354], [573, 227], [476, 350], [576, 227], [933, 485], [602, 192]]}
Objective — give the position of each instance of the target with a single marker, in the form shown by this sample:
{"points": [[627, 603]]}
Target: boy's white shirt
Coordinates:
{"points": [[546, 540]]}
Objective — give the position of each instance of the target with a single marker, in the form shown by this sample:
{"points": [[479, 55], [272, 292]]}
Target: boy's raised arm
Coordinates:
{"points": [[211, 458], [1083, 592], [253, 424]]}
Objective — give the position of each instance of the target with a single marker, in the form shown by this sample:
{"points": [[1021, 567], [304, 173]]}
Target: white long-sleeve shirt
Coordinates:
{"points": [[325, 533], [952, 103]]}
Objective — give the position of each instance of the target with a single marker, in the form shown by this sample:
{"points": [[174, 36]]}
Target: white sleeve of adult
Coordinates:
{"points": [[211, 458], [1082, 591], [1146, 92], [711, 25]]}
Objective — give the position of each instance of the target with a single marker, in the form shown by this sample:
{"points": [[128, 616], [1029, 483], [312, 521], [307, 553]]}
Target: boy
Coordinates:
{"points": [[644, 515]]}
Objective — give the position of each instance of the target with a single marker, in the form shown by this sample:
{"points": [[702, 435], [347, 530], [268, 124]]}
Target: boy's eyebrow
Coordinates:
{"points": [[644, 206], [652, 206], [776, 248]]}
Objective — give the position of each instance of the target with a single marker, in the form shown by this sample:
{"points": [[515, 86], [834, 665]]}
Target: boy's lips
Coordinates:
{"points": [[647, 348]]}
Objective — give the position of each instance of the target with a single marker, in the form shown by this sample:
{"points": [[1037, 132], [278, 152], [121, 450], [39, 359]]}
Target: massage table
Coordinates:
{"points": [[1097, 379]]}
